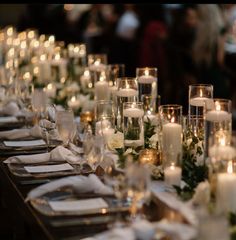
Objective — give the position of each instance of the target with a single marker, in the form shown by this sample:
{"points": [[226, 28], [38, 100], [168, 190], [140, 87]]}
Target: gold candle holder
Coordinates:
{"points": [[87, 117], [150, 156]]}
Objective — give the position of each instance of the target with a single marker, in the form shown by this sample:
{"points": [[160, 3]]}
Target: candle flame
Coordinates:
{"points": [[230, 167], [146, 72], [172, 119], [172, 166], [217, 104], [10, 31], [43, 57], [201, 94], [86, 73], [97, 62], [222, 141], [57, 56], [31, 34], [73, 99], [49, 86], [51, 39]]}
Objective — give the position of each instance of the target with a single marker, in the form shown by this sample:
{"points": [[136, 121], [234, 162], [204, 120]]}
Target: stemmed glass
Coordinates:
{"points": [[137, 180], [39, 102], [65, 125]]}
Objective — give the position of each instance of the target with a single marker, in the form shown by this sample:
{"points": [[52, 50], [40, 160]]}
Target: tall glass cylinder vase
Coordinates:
{"points": [[77, 60], [97, 63], [171, 133], [127, 92], [115, 71], [133, 125], [147, 81], [218, 130], [200, 96], [101, 87]]}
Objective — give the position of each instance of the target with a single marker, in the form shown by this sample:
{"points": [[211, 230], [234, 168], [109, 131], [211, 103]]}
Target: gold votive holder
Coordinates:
{"points": [[86, 117], [150, 156]]}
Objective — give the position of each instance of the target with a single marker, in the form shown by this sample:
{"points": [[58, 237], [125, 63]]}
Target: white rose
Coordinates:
{"points": [[202, 193], [115, 140], [153, 140], [200, 158]]}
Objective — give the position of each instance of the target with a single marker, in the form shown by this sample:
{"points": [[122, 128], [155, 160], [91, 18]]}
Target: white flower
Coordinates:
{"points": [[128, 151], [72, 88], [115, 140], [200, 158], [202, 193], [153, 140]]}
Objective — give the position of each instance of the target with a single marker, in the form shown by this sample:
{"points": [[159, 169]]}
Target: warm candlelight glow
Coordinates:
{"points": [[10, 31], [31, 34], [222, 141], [218, 108], [51, 39], [230, 167], [146, 72], [49, 86], [86, 73], [43, 57], [97, 62], [57, 56], [201, 94], [172, 119], [9, 41], [73, 99], [103, 76], [23, 44]]}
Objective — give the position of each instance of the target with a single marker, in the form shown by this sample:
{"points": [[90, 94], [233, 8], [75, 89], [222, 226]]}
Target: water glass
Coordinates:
{"points": [[65, 125]]}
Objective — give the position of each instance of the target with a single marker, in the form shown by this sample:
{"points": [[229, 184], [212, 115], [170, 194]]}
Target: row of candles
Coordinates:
{"points": [[108, 83]]}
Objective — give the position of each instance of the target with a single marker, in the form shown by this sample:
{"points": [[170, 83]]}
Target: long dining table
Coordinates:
{"points": [[19, 220]]}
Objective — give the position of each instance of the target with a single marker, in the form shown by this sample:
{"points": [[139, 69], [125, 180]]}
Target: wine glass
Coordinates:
{"points": [[137, 180], [39, 102], [65, 125]]}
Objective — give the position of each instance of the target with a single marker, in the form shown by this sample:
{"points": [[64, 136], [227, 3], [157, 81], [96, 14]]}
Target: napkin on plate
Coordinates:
{"points": [[35, 131], [58, 154], [80, 184], [11, 109]]}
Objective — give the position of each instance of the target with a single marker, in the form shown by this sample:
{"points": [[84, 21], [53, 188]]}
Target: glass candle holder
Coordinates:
{"points": [[133, 125], [218, 126], [101, 87], [115, 71], [97, 63], [59, 68], [77, 60], [171, 132], [200, 96], [147, 81], [127, 92], [225, 190], [105, 118], [172, 174], [86, 80], [150, 108]]}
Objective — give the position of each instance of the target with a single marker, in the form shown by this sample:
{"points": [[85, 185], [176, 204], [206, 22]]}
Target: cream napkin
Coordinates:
{"points": [[59, 154], [171, 200], [80, 184], [11, 109], [35, 131]]}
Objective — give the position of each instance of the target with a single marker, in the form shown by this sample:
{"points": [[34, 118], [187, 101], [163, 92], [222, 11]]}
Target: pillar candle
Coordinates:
{"points": [[173, 175], [172, 140], [102, 90]]}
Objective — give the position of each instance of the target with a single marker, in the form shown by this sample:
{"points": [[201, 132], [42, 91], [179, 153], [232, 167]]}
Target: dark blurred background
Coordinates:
{"points": [[188, 43]]}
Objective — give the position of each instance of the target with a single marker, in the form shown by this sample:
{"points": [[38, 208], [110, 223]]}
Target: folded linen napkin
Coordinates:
{"points": [[11, 109], [80, 184], [59, 154], [35, 131]]}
